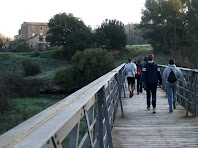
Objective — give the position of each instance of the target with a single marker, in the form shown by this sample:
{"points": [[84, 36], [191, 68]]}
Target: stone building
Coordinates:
{"points": [[34, 34]]}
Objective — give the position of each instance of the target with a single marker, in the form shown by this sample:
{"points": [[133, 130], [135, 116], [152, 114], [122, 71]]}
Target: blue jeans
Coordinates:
{"points": [[171, 89]]}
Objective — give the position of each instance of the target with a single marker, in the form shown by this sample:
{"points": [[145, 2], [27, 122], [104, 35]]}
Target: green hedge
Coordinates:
{"points": [[87, 66]]}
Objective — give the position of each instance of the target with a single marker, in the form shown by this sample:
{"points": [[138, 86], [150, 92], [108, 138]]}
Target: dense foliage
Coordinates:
{"points": [[69, 32], [87, 66], [111, 35], [4, 41], [30, 68], [169, 23]]}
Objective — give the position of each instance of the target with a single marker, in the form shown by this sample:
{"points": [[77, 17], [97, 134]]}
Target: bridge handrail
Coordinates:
{"points": [[188, 98], [97, 103]]}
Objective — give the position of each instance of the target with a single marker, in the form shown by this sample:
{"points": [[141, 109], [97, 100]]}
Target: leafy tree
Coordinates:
{"points": [[159, 21], [69, 32], [4, 41], [111, 35], [192, 21]]}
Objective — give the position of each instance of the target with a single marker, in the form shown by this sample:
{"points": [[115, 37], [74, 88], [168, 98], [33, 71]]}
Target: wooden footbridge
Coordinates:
{"points": [[101, 115]]}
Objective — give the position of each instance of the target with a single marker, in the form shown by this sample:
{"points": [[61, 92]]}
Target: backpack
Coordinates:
{"points": [[172, 78], [139, 71]]}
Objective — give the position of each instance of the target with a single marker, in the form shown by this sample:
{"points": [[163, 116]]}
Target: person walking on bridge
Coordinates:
{"points": [[130, 69], [151, 76], [170, 76], [139, 76]]}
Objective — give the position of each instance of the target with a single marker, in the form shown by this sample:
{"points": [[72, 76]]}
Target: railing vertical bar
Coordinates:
{"points": [[106, 115], [195, 94], [96, 143], [100, 120], [189, 97], [119, 91], [123, 81]]}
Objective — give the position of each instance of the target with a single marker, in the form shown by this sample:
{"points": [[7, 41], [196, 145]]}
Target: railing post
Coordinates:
{"points": [[118, 78], [106, 115], [195, 93], [100, 120], [189, 94], [123, 81]]}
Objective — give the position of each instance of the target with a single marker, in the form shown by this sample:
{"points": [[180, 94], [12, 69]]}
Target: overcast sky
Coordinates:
{"points": [[93, 12]]}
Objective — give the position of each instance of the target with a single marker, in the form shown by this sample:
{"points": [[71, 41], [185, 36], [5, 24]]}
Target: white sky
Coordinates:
{"points": [[93, 12]]}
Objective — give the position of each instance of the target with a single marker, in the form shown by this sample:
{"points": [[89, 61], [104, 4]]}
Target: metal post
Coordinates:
{"points": [[100, 120], [195, 93], [123, 81], [106, 115], [189, 95], [118, 78]]}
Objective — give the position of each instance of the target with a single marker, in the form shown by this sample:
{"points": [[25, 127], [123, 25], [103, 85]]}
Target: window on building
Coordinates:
{"points": [[41, 38], [41, 28]]}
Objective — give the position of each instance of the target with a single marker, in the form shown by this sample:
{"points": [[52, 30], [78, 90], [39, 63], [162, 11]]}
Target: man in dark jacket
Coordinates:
{"points": [[151, 76]]}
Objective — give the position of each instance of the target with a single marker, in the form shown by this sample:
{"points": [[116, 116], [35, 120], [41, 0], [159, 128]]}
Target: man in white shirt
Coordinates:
{"points": [[130, 69]]}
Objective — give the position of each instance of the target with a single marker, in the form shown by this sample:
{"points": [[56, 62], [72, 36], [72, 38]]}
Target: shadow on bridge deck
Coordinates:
{"points": [[141, 128]]}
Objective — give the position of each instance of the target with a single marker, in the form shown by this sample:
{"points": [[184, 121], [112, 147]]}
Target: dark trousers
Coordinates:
{"points": [[151, 89], [139, 85]]}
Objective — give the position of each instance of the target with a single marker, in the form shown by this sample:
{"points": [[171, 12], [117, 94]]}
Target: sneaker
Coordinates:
{"points": [[148, 108], [130, 95], [171, 111], [154, 110]]}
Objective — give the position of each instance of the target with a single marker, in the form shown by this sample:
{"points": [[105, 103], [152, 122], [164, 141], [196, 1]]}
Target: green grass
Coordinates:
{"points": [[135, 50], [48, 54], [11, 63], [160, 61], [131, 51], [24, 108]]}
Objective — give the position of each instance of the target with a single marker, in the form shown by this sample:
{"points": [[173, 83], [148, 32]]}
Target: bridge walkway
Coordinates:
{"points": [[141, 128]]}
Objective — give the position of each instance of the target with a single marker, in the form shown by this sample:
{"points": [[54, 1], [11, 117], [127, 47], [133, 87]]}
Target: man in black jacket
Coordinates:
{"points": [[151, 76]]}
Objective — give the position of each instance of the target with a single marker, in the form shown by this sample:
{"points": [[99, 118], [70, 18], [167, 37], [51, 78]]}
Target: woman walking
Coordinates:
{"points": [[139, 76]]}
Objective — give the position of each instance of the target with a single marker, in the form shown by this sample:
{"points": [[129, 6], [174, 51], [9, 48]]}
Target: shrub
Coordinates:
{"points": [[30, 68], [22, 47], [4, 100], [87, 66], [66, 79], [36, 54], [14, 86]]}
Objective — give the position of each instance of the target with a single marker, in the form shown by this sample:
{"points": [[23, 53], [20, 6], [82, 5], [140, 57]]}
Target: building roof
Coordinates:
{"points": [[36, 23]]}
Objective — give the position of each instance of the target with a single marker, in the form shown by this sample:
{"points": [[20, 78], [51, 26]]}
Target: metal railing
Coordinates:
{"points": [[83, 119], [188, 98]]}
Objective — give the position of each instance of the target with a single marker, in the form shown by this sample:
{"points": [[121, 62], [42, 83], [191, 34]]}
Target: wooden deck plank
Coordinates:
{"points": [[142, 128]]}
